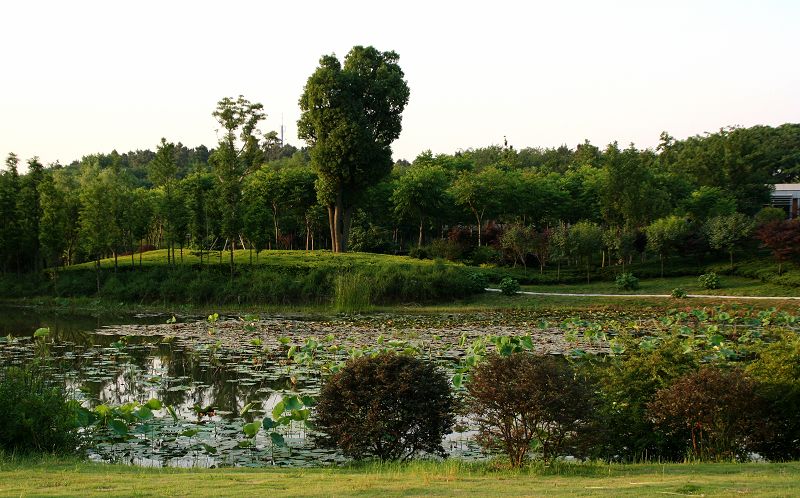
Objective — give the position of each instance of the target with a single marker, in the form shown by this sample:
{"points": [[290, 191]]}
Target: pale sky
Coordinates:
{"points": [[81, 77]]}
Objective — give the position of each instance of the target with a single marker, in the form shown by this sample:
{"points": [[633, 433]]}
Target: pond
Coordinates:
{"points": [[209, 373]]}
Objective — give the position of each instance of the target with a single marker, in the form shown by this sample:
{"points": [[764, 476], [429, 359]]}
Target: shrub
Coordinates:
{"points": [[479, 281], [715, 411], [623, 430], [36, 416], [482, 255], [389, 407], [523, 400], [626, 281], [678, 293], [777, 370], [447, 249], [509, 286], [709, 280], [418, 253]]}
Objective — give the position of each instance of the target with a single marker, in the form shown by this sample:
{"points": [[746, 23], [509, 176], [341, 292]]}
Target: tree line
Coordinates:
{"points": [[613, 201], [342, 191]]}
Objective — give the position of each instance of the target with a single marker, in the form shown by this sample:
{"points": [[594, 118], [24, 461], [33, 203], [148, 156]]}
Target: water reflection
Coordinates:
{"points": [[114, 370]]}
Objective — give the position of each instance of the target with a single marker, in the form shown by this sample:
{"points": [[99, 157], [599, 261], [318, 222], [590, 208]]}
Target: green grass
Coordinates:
{"points": [[58, 477], [283, 259]]}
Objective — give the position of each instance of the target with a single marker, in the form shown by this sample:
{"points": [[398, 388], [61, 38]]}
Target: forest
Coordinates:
{"points": [[495, 204]]}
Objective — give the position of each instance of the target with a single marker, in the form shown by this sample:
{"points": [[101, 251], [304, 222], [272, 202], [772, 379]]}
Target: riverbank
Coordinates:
{"points": [[64, 477]]}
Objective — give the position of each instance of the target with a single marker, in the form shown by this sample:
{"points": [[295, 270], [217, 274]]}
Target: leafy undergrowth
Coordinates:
{"points": [[59, 477]]}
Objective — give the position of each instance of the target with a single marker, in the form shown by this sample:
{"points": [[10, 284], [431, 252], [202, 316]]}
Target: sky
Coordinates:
{"points": [[83, 77]]}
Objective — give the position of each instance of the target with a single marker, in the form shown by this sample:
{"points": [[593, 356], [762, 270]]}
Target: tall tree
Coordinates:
{"points": [[482, 193], [351, 113], [238, 154], [162, 172], [9, 220], [29, 212], [421, 194]]}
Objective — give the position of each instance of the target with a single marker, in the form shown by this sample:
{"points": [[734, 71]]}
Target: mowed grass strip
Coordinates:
{"points": [[452, 478]]}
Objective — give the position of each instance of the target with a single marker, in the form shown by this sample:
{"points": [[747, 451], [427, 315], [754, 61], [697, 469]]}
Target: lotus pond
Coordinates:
{"points": [[193, 391]]}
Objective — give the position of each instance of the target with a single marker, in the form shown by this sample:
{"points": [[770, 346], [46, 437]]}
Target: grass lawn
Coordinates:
{"points": [[53, 477], [730, 285], [278, 258]]}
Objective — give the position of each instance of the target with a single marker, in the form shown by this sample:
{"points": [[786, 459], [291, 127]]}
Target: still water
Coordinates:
{"points": [[207, 384]]}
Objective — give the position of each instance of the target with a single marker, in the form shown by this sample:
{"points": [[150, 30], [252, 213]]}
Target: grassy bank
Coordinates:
{"points": [[350, 282], [70, 478], [322, 282]]}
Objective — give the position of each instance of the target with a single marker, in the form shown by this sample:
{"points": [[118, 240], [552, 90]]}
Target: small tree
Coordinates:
{"points": [[389, 406], [524, 400], [716, 410], [664, 236], [783, 239], [727, 232], [585, 240], [518, 239], [558, 243]]}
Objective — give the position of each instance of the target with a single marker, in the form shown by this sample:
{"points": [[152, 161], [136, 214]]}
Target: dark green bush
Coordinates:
{"points": [[678, 293], [623, 430], [483, 255], [36, 416], [509, 286], [523, 401], [418, 253], [777, 370], [709, 280], [446, 249], [389, 407], [626, 281], [716, 413]]}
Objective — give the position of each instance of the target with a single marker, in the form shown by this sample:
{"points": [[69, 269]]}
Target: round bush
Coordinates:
{"points": [[717, 411], [524, 400], [626, 281], [709, 280], [36, 417], [389, 407], [679, 293], [509, 286]]}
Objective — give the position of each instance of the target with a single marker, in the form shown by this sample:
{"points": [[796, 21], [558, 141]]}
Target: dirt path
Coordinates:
{"points": [[704, 296]]}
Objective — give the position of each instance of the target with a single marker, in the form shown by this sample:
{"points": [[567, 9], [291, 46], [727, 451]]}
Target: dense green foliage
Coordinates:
{"points": [[37, 415], [389, 407]]}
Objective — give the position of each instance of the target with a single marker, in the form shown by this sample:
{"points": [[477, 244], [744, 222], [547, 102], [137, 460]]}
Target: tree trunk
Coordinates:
{"points": [[332, 226], [231, 252], [97, 273], [419, 241], [346, 219], [115, 261], [479, 228], [275, 224]]}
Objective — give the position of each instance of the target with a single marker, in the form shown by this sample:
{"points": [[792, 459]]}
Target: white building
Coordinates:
{"points": [[787, 197]]}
